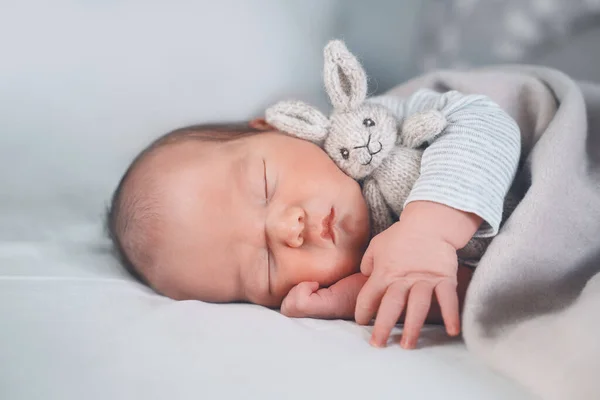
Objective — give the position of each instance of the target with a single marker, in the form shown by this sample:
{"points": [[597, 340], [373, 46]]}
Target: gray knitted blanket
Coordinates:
{"points": [[533, 309]]}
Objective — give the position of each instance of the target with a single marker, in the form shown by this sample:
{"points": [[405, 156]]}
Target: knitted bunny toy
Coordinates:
{"points": [[364, 139]]}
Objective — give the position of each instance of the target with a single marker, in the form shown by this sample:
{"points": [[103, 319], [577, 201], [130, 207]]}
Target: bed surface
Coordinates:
{"points": [[73, 326]]}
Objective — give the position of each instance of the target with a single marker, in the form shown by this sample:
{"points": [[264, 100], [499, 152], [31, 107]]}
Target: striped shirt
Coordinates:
{"points": [[472, 164]]}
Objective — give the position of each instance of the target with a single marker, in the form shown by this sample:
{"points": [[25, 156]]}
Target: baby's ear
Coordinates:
{"points": [[298, 119], [345, 78]]}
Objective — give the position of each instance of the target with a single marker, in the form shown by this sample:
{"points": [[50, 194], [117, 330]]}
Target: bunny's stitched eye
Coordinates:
{"points": [[345, 153], [368, 122]]}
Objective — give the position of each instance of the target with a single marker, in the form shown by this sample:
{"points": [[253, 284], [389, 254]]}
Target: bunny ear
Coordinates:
{"points": [[345, 78], [298, 119]]}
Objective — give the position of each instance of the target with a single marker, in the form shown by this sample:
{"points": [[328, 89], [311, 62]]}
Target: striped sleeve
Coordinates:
{"points": [[472, 164]]}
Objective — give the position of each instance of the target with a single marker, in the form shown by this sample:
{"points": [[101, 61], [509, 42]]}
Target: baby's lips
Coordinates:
{"points": [[327, 224]]}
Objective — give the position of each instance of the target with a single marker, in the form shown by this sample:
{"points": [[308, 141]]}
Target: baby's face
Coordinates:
{"points": [[247, 220]]}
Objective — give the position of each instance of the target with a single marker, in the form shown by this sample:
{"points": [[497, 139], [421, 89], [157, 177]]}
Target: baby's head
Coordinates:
{"points": [[224, 214]]}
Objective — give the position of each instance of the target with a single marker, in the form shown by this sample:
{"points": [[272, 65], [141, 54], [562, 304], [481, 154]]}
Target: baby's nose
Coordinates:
{"points": [[289, 227]]}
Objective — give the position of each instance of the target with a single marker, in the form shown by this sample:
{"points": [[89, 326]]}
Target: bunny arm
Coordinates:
{"points": [[422, 127], [381, 217]]}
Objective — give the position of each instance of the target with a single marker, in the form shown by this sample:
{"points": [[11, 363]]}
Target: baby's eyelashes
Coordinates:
{"points": [[254, 173], [270, 180]]}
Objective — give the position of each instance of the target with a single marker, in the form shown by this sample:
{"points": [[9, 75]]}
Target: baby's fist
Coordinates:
{"points": [[300, 301]]}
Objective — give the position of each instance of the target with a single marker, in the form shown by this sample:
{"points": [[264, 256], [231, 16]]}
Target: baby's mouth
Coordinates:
{"points": [[327, 231]]}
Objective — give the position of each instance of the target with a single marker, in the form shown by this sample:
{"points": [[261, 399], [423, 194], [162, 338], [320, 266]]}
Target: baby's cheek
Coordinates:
{"points": [[325, 268], [351, 262], [337, 269], [311, 271]]}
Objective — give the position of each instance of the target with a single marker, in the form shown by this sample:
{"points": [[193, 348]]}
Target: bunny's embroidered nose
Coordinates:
{"points": [[364, 156], [372, 148]]}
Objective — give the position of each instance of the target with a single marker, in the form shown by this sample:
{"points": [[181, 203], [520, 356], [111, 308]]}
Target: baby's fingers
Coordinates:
{"points": [[419, 302], [389, 312], [298, 303], [368, 299], [366, 264], [305, 289], [448, 300]]}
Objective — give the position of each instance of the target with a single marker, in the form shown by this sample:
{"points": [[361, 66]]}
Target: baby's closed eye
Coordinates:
{"points": [[266, 181]]}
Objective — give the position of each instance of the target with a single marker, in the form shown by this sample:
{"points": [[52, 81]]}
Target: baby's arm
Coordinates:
{"points": [[465, 175], [307, 300], [471, 166]]}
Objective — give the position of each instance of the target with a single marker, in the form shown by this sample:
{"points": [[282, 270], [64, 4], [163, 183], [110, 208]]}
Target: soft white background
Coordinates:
{"points": [[84, 85]]}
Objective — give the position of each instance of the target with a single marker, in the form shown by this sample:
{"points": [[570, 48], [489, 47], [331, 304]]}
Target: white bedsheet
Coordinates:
{"points": [[83, 86]]}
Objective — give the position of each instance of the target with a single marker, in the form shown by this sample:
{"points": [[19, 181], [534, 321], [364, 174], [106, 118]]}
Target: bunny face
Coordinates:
{"points": [[359, 140], [358, 135]]}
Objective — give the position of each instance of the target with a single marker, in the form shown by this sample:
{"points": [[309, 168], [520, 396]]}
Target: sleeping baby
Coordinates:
{"points": [[260, 213]]}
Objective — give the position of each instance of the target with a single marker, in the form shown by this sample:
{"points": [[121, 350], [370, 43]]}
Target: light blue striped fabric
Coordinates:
{"points": [[472, 164]]}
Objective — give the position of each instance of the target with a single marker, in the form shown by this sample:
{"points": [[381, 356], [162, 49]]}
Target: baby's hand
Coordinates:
{"points": [[306, 300], [301, 301], [406, 264]]}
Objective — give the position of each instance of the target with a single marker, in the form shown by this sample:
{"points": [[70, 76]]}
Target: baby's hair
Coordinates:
{"points": [[129, 216]]}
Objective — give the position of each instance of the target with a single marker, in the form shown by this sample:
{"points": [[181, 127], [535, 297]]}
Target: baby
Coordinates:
{"points": [[245, 213], [228, 213]]}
